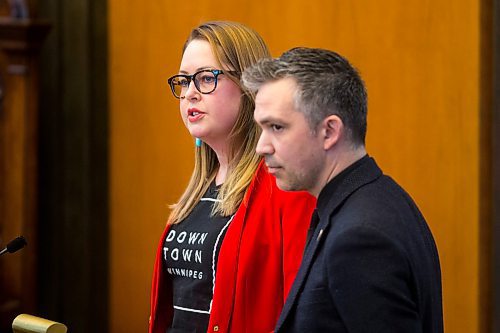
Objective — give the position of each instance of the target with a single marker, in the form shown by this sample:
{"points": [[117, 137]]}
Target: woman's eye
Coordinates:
{"points": [[207, 79], [183, 82]]}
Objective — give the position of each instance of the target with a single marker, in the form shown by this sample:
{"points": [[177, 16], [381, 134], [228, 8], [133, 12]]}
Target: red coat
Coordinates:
{"points": [[259, 258]]}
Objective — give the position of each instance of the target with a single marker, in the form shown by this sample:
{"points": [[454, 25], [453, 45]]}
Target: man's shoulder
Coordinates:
{"points": [[381, 207]]}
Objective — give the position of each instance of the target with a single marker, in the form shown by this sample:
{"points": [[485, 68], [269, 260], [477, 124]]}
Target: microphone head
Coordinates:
{"points": [[16, 244]]}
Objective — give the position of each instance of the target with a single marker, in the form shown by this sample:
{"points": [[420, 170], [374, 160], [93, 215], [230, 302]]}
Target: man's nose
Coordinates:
{"points": [[264, 146]]}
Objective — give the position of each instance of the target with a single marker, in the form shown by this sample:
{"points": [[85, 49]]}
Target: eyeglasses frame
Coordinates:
{"points": [[190, 78]]}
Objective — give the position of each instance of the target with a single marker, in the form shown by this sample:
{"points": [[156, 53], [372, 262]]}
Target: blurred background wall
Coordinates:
{"points": [[423, 67], [113, 153]]}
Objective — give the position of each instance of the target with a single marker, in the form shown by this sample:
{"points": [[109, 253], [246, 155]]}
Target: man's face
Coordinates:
{"points": [[293, 153]]}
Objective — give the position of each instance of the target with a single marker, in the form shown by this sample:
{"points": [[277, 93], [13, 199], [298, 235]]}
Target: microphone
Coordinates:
{"points": [[14, 245]]}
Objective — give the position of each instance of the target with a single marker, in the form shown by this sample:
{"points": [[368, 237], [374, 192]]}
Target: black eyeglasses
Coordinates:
{"points": [[205, 81]]}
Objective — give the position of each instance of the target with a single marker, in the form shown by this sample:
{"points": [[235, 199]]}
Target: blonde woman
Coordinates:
{"points": [[234, 241]]}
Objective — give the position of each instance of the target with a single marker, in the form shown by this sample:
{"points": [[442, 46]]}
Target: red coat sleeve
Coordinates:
{"points": [[297, 208], [161, 295], [260, 256]]}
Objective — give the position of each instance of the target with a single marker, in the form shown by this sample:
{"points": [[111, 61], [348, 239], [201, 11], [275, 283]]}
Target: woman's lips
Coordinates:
{"points": [[194, 115]]}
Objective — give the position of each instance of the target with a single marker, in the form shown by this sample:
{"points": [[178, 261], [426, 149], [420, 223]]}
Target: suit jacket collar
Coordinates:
{"points": [[331, 197], [361, 172]]}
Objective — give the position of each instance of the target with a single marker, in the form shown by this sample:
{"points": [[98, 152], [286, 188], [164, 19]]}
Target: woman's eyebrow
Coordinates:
{"points": [[197, 70]]}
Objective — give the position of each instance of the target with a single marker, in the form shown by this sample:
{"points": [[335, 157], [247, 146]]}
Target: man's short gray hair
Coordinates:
{"points": [[326, 84]]}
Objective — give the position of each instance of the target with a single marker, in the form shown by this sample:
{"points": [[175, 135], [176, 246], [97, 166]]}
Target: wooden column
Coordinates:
{"points": [[20, 41]]}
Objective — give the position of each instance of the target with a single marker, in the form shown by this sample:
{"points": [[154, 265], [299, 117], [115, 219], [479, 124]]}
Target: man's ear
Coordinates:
{"points": [[333, 128]]}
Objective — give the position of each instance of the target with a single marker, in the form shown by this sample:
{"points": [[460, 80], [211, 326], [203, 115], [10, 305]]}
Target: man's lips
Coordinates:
{"points": [[272, 168]]}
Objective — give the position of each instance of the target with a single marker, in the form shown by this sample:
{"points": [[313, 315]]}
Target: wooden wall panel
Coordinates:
{"points": [[20, 43], [421, 63], [73, 166]]}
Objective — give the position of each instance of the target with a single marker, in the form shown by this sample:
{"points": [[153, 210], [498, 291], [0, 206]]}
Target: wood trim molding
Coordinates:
{"points": [[496, 167], [23, 34]]}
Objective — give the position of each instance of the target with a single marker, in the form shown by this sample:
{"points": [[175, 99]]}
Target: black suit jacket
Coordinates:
{"points": [[371, 264]]}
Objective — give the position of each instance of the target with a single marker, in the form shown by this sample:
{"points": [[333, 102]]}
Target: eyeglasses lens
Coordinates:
{"points": [[204, 81]]}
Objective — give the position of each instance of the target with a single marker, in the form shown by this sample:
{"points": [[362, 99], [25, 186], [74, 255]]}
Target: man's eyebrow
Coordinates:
{"points": [[270, 119]]}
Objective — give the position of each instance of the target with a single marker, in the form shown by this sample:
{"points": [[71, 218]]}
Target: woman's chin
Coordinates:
{"points": [[197, 133], [197, 130]]}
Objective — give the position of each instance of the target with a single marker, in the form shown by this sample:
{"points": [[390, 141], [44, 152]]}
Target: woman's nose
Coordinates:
{"points": [[191, 91]]}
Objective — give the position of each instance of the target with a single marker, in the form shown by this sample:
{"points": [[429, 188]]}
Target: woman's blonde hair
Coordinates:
{"points": [[237, 47]]}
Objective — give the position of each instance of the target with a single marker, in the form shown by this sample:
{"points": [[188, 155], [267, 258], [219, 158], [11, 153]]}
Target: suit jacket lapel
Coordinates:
{"points": [[365, 173], [303, 271]]}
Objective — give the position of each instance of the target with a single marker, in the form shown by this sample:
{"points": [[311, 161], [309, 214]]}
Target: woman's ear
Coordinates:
{"points": [[333, 128]]}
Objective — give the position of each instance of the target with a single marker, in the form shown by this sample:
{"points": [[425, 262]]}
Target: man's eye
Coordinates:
{"points": [[276, 128]]}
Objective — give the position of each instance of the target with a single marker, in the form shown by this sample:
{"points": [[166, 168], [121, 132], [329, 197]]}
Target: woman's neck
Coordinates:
{"points": [[220, 178], [223, 158]]}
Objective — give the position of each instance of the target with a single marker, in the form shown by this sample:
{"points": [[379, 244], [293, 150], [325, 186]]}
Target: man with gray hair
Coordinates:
{"points": [[371, 263]]}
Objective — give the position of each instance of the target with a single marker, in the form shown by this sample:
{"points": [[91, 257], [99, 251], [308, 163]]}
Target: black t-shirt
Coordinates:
{"points": [[190, 253]]}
